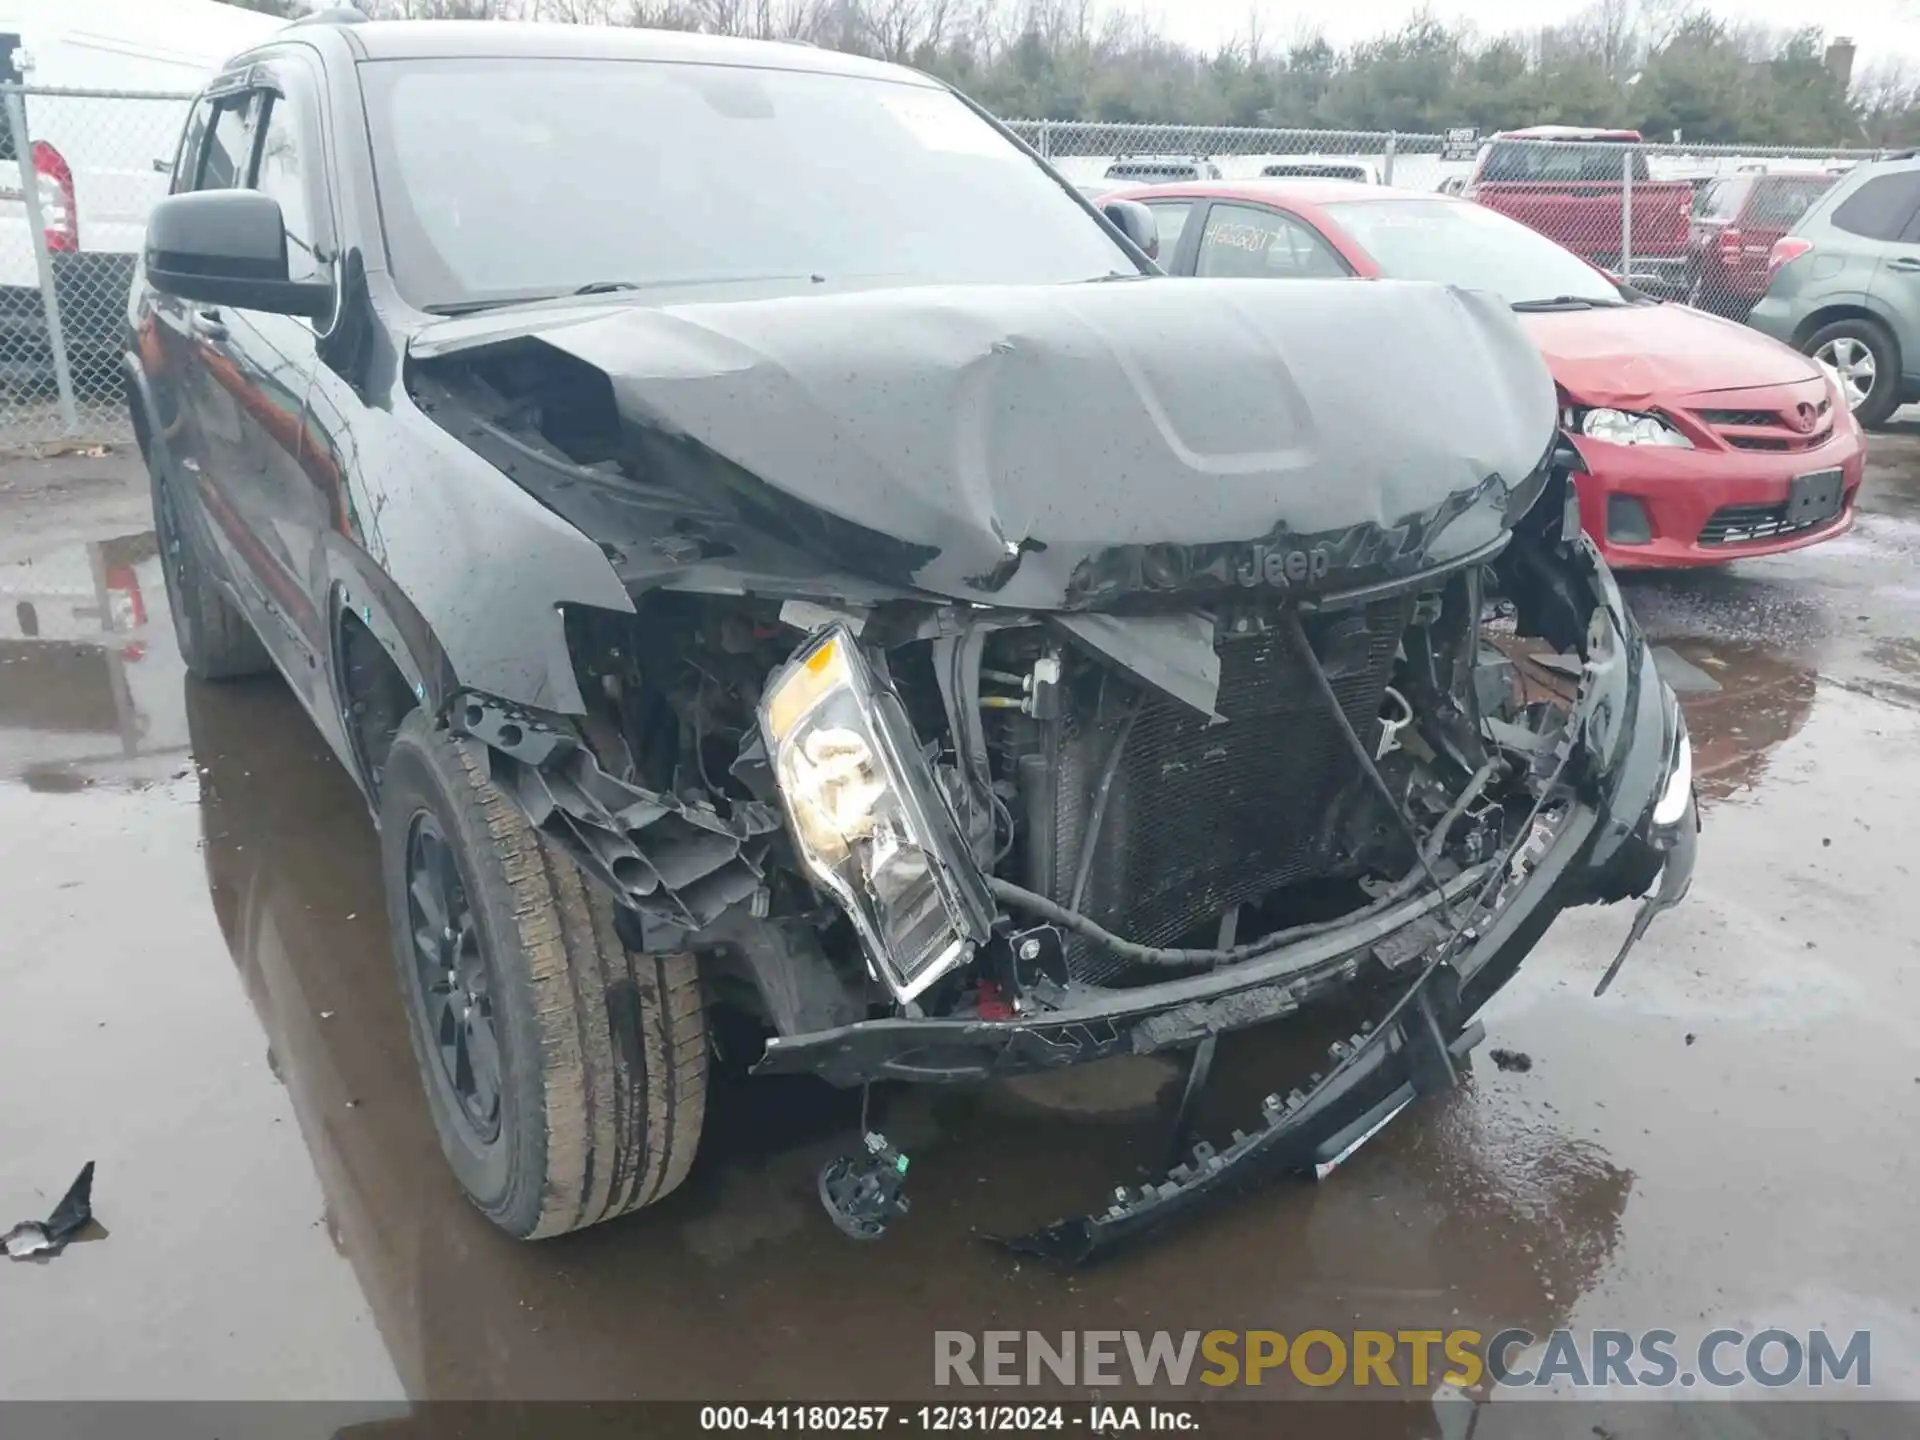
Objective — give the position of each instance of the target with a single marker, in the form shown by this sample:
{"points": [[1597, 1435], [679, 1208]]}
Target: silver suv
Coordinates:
{"points": [[1844, 286]]}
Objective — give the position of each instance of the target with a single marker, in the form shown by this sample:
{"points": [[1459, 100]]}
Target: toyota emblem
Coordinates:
{"points": [[1803, 418]]}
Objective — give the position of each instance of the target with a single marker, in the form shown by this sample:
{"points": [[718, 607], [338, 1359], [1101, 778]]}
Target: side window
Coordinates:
{"points": [[1250, 244], [230, 145], [1879, 209], [1171, 217], [1782, 204], [282, 175], [191, 140]]}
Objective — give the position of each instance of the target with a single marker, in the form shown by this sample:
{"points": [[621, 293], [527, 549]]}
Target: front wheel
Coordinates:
{"points": [[1868, 361], [566, 1075]]}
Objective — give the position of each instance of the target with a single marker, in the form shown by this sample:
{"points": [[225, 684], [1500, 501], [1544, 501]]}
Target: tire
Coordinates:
{"points": [[214, 638], [599, 1054], [1884, 396]]}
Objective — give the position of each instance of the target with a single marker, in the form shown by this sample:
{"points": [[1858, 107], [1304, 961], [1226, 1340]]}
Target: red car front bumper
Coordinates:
{"points": [[1730, 495]]}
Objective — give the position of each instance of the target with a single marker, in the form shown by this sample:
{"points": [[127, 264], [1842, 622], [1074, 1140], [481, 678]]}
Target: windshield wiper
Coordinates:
{"points": [[1568, 302], [610, 287]]}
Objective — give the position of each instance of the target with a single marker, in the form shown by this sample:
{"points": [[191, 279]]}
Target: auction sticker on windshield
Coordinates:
{"points": [[940, 122]]}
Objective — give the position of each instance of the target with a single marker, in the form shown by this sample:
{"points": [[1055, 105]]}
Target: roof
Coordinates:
{"points": [[1567, 132], [517, 40], [1282, 190]]}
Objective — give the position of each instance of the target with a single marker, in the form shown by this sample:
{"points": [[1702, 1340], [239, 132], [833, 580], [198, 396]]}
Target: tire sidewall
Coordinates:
{"points": [[1884, 398], [185, 597], [504, 1177]]}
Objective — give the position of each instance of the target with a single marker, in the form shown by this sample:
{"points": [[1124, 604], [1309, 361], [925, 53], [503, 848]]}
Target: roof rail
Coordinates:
{"points": [[333, 15]]}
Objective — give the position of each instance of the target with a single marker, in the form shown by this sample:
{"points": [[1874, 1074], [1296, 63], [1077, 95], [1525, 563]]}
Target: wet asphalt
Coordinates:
{"points": [[196, 993]]}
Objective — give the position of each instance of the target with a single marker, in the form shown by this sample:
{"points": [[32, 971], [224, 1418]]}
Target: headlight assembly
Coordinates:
{"points": [[868, 823], [1629, 427]]}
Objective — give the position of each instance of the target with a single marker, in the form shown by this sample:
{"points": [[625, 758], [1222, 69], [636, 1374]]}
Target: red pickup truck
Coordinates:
{"points": [[1570, 184]]}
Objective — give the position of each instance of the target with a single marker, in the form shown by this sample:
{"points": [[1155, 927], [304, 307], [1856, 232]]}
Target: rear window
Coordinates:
{"points": [[1559, 162], [1720, 200], [1779, 202], [1880, 209]]}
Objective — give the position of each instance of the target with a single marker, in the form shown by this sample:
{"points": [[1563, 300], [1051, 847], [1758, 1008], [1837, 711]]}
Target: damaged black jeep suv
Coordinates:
{"points": [[863, 597]]}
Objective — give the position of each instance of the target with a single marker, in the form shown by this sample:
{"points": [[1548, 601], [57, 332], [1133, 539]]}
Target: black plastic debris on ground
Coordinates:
{"points": [[1512, 1060], [44, 1239]]}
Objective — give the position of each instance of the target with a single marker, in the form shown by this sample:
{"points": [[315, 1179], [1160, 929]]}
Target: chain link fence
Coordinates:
{"points": [[80, 169]]}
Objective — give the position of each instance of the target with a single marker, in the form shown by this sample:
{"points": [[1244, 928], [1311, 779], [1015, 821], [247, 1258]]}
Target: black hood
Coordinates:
{"points": [[1056, 446]]}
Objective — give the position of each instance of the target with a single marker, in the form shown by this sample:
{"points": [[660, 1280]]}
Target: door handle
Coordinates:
{"points": [[207, 323], [1906, 264]]}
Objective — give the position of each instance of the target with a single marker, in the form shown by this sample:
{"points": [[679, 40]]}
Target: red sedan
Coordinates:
{"points": [[1705, 441]]}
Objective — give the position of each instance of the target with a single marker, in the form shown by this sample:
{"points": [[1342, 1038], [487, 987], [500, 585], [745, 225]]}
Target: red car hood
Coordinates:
{"points": [[1644, 354]]}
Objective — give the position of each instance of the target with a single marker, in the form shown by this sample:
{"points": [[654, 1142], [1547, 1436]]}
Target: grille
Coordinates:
{"points": [[1740, 417], [1737, 524], [1203, 816], [1786, 435]]}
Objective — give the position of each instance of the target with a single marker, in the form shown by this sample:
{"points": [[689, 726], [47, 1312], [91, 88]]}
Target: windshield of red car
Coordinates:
{"points": [[1459, 243], [514, 178]]}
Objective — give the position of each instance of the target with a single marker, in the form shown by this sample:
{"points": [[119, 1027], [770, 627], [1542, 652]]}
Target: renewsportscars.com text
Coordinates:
{"points": [[1416, 1359]]}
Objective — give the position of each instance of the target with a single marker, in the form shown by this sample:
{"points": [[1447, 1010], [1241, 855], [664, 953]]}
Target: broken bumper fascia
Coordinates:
{"points": [[1177, 1013], [672, 863], [1628, 725], [1419, 1049]]}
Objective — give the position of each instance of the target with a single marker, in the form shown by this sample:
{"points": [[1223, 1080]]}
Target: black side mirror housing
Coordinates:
{"points": [[228, 247], [1136, 222]]}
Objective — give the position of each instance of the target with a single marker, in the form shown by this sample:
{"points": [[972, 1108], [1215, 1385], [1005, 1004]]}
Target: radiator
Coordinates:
{"points": [[1204, 815]]}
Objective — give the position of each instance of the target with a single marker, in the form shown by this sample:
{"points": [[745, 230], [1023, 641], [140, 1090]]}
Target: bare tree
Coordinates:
{"points": [[576, 12], [442, 9], [660, 15], [901, 29]]}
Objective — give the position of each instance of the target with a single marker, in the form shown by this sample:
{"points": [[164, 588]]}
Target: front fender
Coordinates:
{"points": [[470, 570]]}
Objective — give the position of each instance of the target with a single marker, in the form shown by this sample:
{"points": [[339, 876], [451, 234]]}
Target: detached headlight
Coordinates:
{"points": [[867, 820], [1672, 803], [1628, 427]]}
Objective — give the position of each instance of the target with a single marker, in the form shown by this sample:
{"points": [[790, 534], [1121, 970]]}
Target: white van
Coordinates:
{"points": [[97, 164]]}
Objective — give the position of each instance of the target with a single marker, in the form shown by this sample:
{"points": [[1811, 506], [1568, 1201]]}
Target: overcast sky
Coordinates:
{"points": [[1885, 30]]}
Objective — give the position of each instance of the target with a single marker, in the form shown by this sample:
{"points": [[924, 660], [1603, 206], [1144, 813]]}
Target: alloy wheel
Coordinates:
{"points": [[1854, 361], [455, 985]]}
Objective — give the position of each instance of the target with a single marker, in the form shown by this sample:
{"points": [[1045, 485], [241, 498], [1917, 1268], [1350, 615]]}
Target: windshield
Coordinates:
{"points": [[1460, 243], [1561, 162], [510, 179]]}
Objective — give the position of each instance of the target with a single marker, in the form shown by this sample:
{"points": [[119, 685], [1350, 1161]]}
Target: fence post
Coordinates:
{"points": [[1046, 141], [43, 263], [1386, 163], [1626, 213]]}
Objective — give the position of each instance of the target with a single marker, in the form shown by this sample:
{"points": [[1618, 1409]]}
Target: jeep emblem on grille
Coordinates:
{"points": [[1283, 568]]}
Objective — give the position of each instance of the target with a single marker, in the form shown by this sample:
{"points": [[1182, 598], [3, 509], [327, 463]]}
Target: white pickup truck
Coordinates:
{"points": [[97, 164]]}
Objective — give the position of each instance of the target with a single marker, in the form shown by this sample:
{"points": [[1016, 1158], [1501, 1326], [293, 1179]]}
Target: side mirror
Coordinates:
{"points": [[1136, 222], [228, 247]]}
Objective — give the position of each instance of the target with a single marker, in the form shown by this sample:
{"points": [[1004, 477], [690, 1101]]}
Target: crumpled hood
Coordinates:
{"points": [[1054, 446], [1646, 355]]}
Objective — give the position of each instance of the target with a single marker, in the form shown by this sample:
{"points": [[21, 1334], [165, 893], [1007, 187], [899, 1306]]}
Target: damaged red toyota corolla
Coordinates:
{"points": [[835, 580], [1701, 441]]}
